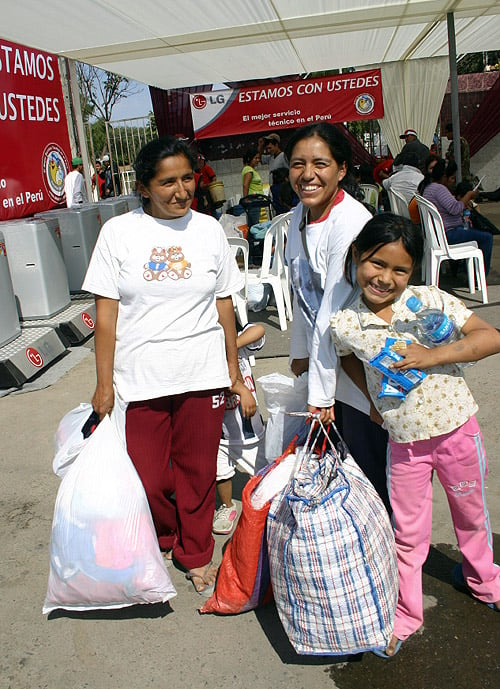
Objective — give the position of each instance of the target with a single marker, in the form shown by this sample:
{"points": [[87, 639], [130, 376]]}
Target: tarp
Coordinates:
{"points": [[34, 142], [170, 44], [343, 98]]}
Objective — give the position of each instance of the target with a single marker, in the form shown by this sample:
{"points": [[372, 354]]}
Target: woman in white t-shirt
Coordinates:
{"points": [[165, 344], [321, 230]]}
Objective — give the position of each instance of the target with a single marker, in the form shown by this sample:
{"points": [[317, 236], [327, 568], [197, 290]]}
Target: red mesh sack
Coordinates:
{"points": [[244, 581]]}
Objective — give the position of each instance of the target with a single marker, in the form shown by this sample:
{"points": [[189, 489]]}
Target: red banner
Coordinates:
{"points": [[341, 98], [34, 141]]}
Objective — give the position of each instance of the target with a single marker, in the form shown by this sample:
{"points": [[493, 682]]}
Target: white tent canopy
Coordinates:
{"points": [[170, 44]]}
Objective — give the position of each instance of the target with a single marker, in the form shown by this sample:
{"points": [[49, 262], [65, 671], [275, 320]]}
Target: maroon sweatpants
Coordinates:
{"points": [[173, 443]]}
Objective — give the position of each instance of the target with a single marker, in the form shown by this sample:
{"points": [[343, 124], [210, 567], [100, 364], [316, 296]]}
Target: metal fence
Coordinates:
{"points": [[124, 139]]}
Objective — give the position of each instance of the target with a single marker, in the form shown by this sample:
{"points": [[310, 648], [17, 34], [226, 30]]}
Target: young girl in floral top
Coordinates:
{"points": [[432, 427]]}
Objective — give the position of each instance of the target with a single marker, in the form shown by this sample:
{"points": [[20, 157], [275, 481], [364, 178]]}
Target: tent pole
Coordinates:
{"points": [[455, 118]]}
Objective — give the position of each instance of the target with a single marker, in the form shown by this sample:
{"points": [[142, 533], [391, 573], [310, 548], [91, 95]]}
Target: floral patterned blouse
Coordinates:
{"points": [[442, 402]]}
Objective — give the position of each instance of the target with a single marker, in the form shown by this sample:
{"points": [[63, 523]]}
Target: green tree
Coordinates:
{"points": [[102, 90]]}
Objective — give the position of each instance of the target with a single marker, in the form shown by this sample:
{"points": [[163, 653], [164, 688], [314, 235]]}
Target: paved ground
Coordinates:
{"points": [[171, 645]]}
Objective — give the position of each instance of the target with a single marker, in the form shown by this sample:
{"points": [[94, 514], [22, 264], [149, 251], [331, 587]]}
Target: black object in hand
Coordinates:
{"points": [[90, 424]]}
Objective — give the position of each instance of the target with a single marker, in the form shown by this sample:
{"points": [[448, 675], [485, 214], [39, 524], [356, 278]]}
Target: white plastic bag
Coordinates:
{"points": [[104, 551], [68, 439], [282, 394]]}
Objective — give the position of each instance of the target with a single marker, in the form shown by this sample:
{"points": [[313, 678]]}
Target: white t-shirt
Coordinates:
{"points": [[405, 181], [74, 188], [166, 275], [275, 163], [327, 242]]}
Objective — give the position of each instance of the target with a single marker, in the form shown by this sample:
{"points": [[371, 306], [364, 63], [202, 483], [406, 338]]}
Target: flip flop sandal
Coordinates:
{"points": [[459, 583], [208, 589], [383, 654]]}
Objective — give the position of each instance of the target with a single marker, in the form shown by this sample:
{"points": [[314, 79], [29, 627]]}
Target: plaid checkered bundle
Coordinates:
{"points": [[332, 559]]}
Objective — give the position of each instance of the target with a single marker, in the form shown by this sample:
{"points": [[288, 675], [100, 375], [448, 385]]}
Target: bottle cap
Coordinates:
{"points": [[414, 304]]}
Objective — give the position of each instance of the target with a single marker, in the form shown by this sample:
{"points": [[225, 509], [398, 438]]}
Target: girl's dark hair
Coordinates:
{"points": [[249, 154], [152, 153], [383, 229]]}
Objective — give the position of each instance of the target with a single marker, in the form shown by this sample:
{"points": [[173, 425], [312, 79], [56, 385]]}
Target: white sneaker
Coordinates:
{"points": [[224, 519]]}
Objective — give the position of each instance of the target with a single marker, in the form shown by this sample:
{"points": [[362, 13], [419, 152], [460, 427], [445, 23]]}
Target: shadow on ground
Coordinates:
{"points": [[456, 649]]}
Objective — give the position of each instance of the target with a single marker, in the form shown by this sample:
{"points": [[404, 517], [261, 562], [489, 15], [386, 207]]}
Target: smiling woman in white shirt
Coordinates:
{"points": [[165, 343], [322, 228]]}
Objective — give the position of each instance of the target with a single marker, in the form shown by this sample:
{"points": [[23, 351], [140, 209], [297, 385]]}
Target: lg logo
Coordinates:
{"points": [[34, 357], [199, 101]]}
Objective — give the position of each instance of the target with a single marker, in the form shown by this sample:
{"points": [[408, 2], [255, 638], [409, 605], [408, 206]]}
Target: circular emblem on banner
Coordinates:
{"points": [[55, 167], [364, 103], [34, 357], [88, 320], [199, 101]]}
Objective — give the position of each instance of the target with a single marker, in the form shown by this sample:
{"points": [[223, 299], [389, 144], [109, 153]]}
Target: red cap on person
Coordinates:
{"points": [[408, 132]]}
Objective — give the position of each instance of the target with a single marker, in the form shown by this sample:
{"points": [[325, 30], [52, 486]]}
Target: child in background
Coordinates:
{"points": [[433, 427], [242, 431]]}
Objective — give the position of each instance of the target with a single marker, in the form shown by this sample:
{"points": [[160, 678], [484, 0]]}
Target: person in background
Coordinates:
{"points": [[436, 188], [288, 199], [112, 178], [203, 175], [252, 183], [99, 180], [275, 158], [429, 433], [74, 184], [242, 442], [165, 348], [464, 153], [382, 170], [412, 145], [406, 178], [321, 229]]}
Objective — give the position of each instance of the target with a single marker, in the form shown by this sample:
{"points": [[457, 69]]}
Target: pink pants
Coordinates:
{"points": [[459, 460], [173, 443]]}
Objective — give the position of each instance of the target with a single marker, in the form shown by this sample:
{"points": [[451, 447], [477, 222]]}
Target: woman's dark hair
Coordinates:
{"points": [[383, 229], [249, 155], [334, 139], [435, 175], [430, 159], [451, 168], [152, 153]]}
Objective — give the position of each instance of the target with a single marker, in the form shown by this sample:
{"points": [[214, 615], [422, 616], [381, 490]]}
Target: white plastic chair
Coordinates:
{"points": [[240, 298], [438, 250], [273, 271], [398, 203], [371, 194]]}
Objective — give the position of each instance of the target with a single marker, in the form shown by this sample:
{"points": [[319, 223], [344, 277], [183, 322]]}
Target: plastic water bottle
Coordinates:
{"points": [[434, 325], [467, 220]]}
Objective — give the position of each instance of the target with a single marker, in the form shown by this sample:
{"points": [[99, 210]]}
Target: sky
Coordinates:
{"points": [[138, 105]]}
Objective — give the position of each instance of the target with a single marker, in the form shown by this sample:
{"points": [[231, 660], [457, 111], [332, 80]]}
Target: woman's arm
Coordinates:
{"points": [[247, 178], [105, 340], [226, 319], [356, 372], [480, 340]]}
